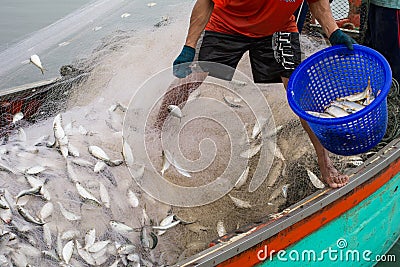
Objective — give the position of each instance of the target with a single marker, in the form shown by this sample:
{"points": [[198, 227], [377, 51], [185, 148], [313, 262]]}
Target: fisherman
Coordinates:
{"points": [[383, 31], [268, 30]]}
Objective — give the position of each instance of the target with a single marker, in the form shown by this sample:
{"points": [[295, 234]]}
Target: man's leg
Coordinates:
{"points": [[177, 94], [329, 173], [215, 47], [279, 55]]}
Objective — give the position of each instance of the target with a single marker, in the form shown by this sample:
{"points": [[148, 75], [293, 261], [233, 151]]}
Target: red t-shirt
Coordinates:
{"points": [[254, 18]]}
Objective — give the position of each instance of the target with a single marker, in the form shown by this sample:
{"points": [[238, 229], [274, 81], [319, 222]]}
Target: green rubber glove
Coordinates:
{"points": [[338, 37]]}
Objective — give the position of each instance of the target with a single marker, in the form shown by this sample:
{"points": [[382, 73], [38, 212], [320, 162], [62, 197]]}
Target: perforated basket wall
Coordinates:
{"points": [[336, 72]]}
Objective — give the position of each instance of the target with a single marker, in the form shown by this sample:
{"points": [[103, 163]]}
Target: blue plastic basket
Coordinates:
{"points": [[336, 72]]}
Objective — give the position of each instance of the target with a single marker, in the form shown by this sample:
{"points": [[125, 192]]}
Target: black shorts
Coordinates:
{"points": [[271, 57]]}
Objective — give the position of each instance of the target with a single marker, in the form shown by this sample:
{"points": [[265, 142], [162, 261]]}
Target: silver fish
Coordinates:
{"points": [[126, 249], [166, 227], [50, 255], [175, 164], [45, 193], [370, 97], [314, 180], [90, 238], [47, 235], [70, 234], [4, 167], [85, 194], [67, 251], [251, 152], [336, 112], [46, 211], [98, 153], [120, 227], [98, 246], [17, 117], [274, 131], [71, 174], [165, 163], [233, 101], [122, 107], [320, 115], [166, 221], [73, 151], [59, 246], [84, 254], [359, 96], [148, 240], [240, 203], [99, 166], [256, 130], [340, 105], [132, 199], [175, 111], [82, 162], [31, 191], [35, 60], [67, 214], [28, 217], [33, 181], [127, 153], [243, 178], [278, 153], [64, 151], [35, 170], [133, 257], [181, 170], [104, 196], [3, 203], [113, 163], [6, 215], [284, 190], [352, 105], [238, 82], [58, 128], [355, 163], [221, 228]]}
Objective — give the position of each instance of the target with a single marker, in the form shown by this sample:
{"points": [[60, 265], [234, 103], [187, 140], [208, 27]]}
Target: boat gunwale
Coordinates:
{"points": [[237, 244]]}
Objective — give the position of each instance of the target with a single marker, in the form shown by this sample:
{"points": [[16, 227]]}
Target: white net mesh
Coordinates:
{"points": [[116, 57]]}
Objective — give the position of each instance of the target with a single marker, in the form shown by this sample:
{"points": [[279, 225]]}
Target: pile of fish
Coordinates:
{"points": [[344, 106], [39, 228]]}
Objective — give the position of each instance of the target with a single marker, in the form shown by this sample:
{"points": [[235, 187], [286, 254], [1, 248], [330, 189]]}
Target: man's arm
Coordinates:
{"points": [[198, 20], [321, 10]]}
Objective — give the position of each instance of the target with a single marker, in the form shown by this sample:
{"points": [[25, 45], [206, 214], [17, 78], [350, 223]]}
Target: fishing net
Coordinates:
{"points": [[100, 76], [393, 127]]}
